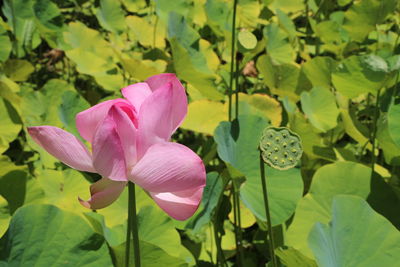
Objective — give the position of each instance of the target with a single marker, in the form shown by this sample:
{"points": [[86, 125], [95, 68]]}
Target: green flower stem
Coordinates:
{"points": [[217, 237], [267, 213], [218, 245], [132, 225], [235, 222], [239, 224], [128, 236], [237, 89], [230, 90], [14, 26], [373, 135]]}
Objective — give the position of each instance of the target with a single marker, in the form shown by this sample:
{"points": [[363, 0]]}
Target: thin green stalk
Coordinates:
{"points": [[218, 245], [267, 213], [239, 221], [220, 254], [318, 10], [128, 235], [370, 132], [230, 89], [376, 25], [235, 223], [14, 22], [308, 30], [373, 135], [362, 149], [317, 18], [212, 247], [237, 89], [133, 222]]}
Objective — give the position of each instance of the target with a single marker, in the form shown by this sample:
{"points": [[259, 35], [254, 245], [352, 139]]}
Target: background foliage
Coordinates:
{"points": [[329, 70]]}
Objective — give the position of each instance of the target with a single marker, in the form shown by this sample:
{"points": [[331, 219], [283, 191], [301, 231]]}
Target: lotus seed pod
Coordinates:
{"points": [[280, 147]]}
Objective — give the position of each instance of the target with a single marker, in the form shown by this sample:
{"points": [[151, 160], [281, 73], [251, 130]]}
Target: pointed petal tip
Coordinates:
{"points": [[63, 145], [179, 205], [84, 203], [103, 193]]}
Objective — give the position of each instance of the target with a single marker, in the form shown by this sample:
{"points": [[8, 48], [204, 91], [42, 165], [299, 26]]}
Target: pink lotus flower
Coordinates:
{"points": [[130, 142]]}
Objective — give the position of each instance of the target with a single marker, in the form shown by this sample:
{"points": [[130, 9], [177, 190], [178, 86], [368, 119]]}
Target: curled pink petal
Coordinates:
{"points": [[108, 154], [179, 205], [169, 167], [179, 98], [88, 120], [64, 146], [155, 123], [137, 93], [161, 112], [103, 193], [127, 134]]}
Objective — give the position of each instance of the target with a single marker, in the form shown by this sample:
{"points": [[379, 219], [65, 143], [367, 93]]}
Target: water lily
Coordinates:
{"points": [[130, 141]]}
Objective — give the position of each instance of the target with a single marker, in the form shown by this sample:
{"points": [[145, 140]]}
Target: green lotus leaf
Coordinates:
{"points": [[340, 178], [43, 235], [320, 107], [238, 146], [394, 122], [355, 236]]}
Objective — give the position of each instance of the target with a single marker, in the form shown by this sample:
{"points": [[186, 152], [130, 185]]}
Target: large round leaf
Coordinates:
{"points": [[356, 236], [12, 184], [394, 122], [347, 178], [142, 30], [238, 146], [205, 115], [287, 6], [5, 44], [111, 16], [10, 124], [278, 45], [71, 104], [4, 216], [320, 107], [154, 226], [391, 151], [190, 62], [283, 79], [318, 70], [353, 77], [62, 188], [285, 189], [43, 235], [363, 16], [18, 70], [150, 256]]}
